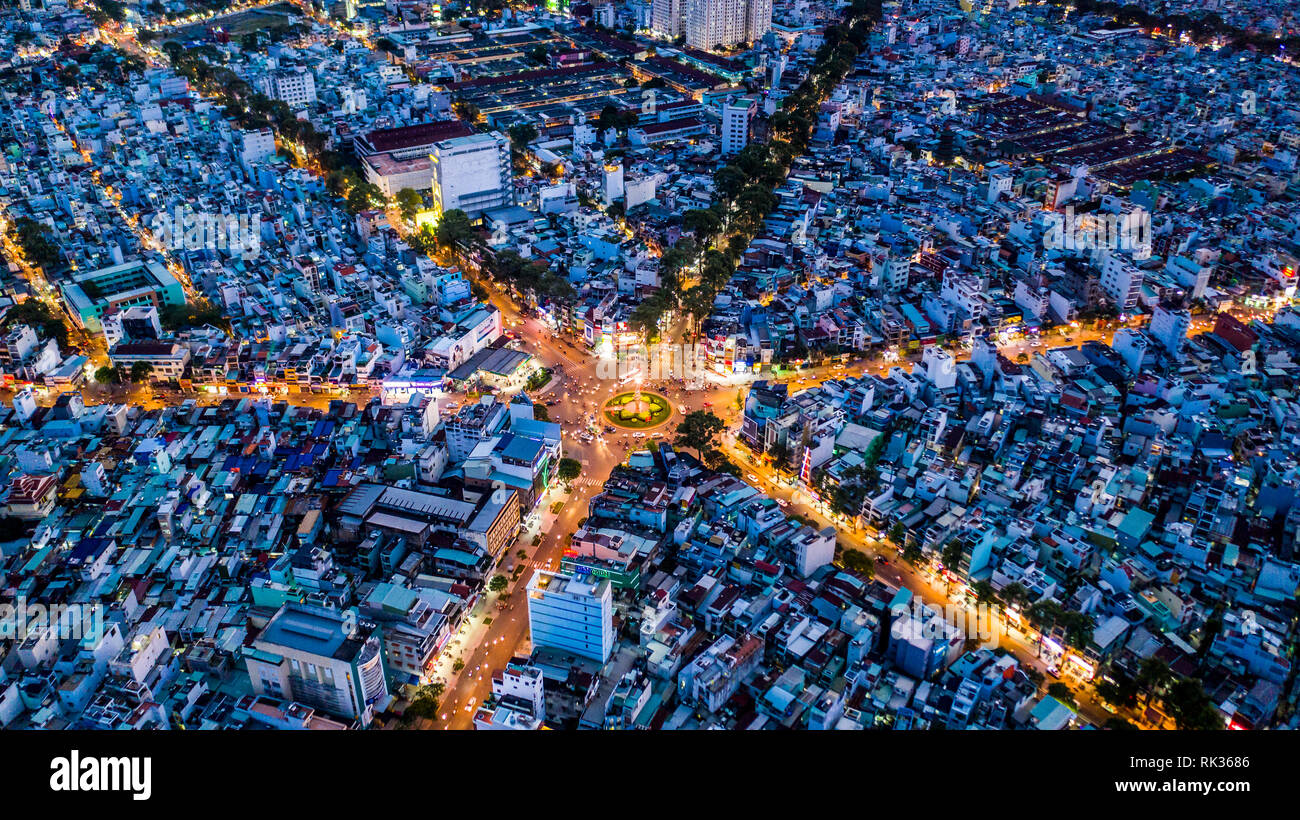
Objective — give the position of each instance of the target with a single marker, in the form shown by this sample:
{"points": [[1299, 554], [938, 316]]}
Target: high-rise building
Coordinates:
{"points": [[1122, 281], [472, 173], [666, 18], [736, 116], [572, 613], [710, 24], [1169, 327], [322, 657]]}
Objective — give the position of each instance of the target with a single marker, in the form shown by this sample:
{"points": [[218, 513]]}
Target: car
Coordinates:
{"points": [[781, 502], [1053, 671], [882, 560], [708, 404], [752, 477]]}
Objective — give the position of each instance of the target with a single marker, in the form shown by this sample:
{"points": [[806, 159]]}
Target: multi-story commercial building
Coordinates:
{"points": [[1169, 327], [397, 158], [736, 116], [472, 173], [142, 282], [573, 613], [1122, 281], [322, 657]]}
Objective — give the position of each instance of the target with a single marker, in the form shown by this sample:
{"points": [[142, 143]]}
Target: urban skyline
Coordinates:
{"points": [[651, 364]]}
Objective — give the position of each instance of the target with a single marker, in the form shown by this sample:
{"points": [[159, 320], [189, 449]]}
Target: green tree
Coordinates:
{"points": [[1153, 675], [1061, 692], [699, 431], [984, 593], [1118, 690], [858, 561], [453, 227], [498, 583], [363, 197], [141, 371], [108, 375], [41, 317], [646, 316], [425, 703], [569, 469], [34, 239], [1191, 708], [409, 203], [521, 134]]}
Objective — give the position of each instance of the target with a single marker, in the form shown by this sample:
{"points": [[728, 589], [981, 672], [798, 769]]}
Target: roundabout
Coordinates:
{"points": [[637, 410]]}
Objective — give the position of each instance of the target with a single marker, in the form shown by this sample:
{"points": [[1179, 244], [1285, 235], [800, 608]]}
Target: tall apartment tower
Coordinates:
{"points": [[710, 24], [666, 18], [572, 613]]}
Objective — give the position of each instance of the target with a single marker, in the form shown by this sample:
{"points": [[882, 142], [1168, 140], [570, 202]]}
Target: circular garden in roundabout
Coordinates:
{"points": [[637, 410]]}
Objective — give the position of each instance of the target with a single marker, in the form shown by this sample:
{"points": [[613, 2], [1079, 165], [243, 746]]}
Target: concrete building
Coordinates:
{"points": [[322, 657], [736, 116], [574, 613], [710, 24], [472, 173], [293, 86]]}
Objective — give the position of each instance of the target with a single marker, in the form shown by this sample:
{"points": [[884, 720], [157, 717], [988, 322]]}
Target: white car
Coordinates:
{"points": [[752, 477]]}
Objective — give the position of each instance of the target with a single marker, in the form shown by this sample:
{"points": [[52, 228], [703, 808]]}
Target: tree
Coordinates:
{"points": [[569, 469], [1061, 692], [363, 197], [780, 456], [521, 134], [34, 239], [498, 583], [952, 553], [1152, 675], [702, 222], [141, 371], [1191, 708], [646, 316], [697, 300], [541, 412], [198, 313], [453, 227], [1015, 595], [425, 702], [41, 317], [984, 593], [858, 561], [699, 431], [1078, 629], [108, 375], [409, 203], [1121, 692]]}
